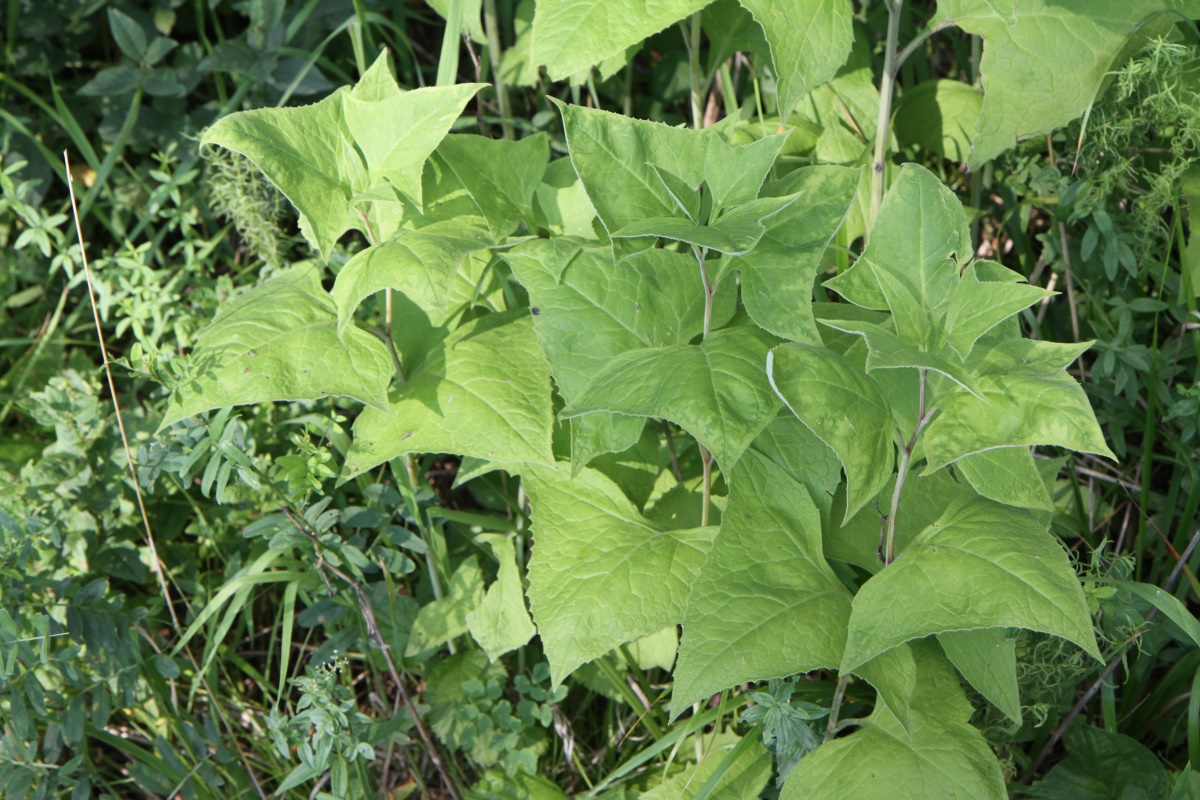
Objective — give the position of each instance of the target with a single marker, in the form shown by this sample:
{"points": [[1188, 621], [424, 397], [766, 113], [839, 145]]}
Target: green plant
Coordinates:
{"points": [[918, 386]]}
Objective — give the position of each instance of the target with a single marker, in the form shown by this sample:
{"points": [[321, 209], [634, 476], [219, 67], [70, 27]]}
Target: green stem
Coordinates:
{"points": [[694, 69], [906, 451], [839, 695], [705, 457], [883, 124], [491, 26]]}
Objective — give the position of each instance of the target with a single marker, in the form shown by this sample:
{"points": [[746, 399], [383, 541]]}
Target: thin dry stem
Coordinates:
{"points": [[158, 567]]}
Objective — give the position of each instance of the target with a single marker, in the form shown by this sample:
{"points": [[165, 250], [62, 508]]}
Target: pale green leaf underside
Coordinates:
{"points": [[601, 574], [1044, 60], [500, 622], [484, 392], [279, 341], [766, 604], [809, 39], [1015, 410], [717, 390], [982, 565], [987, 658], [571, 35], [844, 408]]}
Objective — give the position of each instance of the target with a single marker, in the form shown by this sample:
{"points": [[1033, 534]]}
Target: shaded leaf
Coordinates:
{"points": [[500, 623], [280, 341]]}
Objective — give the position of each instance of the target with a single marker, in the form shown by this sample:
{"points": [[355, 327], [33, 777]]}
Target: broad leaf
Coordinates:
{"points": [[981, 565], [860, 540], [601, 574], [312, 152], [766, 604], [613, 154], [421, 264], [987, 658], [483, 392], [810, 40], [844, 408], [279, 341], [717, 390], [589, 311], [500, 622], [938, 754], [1012, 411], [734, 233], [885, 350], [500, 175], [1007, 475], [778, 274], [571, 35], [939, 116], [1044, 60], [734, 175]]}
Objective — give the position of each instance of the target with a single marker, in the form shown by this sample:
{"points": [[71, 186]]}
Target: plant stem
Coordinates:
{"points": [[906, 451], [491, 26], [705, 457], [883, 125], [694, 69], [839, 694]]}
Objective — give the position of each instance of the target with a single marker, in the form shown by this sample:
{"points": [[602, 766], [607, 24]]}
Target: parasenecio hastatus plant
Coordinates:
{"points": [[865, 499]]}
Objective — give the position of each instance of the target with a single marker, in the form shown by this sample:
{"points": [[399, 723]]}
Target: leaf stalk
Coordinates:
{"points": [[883, 124]]}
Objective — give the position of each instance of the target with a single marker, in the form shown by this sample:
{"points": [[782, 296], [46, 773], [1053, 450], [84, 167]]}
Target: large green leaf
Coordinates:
{"points": [[778, 274], [735, 232], [421, 264], [589, 311], [987, 658], [911, 266], [981, 565], [483, 392], [844, 408], [500, 175], [717, 390], [886, 350], [809, 39], [613, 155], [500, 621], [1044, 60], [937, 753], [766, 604], [1007, 475], [279, 341], [1011, 411], [601, 574], [571, 35], [312, 152]]}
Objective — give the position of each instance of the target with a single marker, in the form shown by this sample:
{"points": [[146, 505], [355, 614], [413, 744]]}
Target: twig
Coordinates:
{"points": [[1108, 671], [367, 608], [158, 568]]}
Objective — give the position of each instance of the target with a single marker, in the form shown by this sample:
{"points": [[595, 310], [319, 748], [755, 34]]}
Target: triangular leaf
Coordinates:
{"points": [[602, 574], [1007, 475], [483, 392], [717, 390], [279, 341], [500, 622], [844, 408], [981, 565], [987, 658], [766, 604]]}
